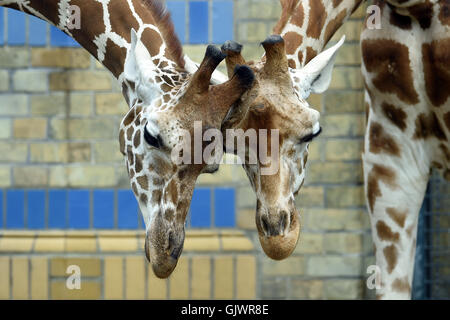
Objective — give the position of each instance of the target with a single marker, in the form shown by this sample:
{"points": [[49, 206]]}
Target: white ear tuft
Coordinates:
{"points": [[315, 77], [140, 69]]}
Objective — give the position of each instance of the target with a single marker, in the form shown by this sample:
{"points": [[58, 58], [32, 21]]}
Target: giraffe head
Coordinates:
{"points": [[277, 103], [167, 103]]}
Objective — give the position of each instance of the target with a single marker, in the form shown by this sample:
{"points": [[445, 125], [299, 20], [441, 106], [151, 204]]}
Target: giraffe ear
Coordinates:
{"points": [[139, 71], [315, 77]]}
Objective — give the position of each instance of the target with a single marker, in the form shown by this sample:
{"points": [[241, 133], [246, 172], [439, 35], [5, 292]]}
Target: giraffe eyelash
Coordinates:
{"points": [[151, 140], [310, 137]]}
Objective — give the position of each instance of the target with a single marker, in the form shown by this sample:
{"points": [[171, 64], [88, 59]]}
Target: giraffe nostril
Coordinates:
{"points": [[284, 221], [265, 225]]}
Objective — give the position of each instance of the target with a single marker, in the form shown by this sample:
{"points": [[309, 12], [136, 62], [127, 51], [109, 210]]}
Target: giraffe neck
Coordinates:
{"points": [[308, 25], [105, 29]]}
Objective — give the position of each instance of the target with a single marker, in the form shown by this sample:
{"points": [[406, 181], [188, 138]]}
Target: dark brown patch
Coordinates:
{"points": [[315, 26], [396, 115], [143, 198], [131, 173], [378, 173], [334, 25], [436, 61], [298, 17], [336, 3], [398, 216], [143, 182], [310, 54], [130, 133], [129, 118], [391, 255], [386, 233], [138, 166], [156, 196], [122, 141], [401, 285], [400, 21], [428, 126], [169, 214], [137, 139], [381, 141], [293, 41], [134, 188], [114, 53], [423, 13], [447, 120], [390, 61], [444, 14], [172, 191]]}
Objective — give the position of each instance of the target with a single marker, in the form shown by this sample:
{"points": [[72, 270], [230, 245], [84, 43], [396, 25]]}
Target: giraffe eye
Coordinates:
{"points": [[151, 140], [310, 137]]}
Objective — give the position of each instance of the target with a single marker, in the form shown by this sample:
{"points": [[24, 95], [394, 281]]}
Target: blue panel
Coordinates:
{"points": [[1, 209], [60, 39], [37, 32], [104, 209], [198, 22], [16, 28], [79, 209], [222, 21], [57, 205], [224, 208], [2, 30], [201, 208], [127, 210], [178, 13], [15, 213], [36, 209]]}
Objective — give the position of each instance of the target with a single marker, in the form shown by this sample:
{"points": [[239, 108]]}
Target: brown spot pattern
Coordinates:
{"points": [[395, 115], [401, 285], [444, 13], [390, 61], [378, 173], [386, 233], [315, 26], [293, 41], [391, 255], [398, 216], [143, 182], [381, 141], [428, 126], [310, 54], [334, 25], [436, 61]]}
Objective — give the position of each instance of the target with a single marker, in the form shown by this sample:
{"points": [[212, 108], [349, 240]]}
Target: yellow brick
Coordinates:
{"points": [[309, 243], [90, 290], [246, 277], [179, 280], [16, 244], [110, 104], [4, 278], [118, 244], [223, 277], [20, 278], [202, 244], [49, 244], [135, 278], [89, 267], [246, 219], [291, 266], [113, 278], [236, 244], [201, 278], [157, 288], [39, 278], [81, 244], [60, 58], [80, 80], [30, 128]]}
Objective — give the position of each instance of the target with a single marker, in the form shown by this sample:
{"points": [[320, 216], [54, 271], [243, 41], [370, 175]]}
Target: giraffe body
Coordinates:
{"points": [[406, 68]]}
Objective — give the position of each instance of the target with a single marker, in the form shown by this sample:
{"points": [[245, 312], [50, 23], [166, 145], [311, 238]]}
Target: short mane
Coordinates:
{"points": [[165, 25]]}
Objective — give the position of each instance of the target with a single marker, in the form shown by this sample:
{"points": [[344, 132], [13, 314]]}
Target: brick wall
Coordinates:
{"points": [[59, 118]]}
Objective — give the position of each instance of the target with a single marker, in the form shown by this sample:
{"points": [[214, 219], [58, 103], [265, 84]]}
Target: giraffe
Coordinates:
{"points": [[135, 40], [406, 69]]}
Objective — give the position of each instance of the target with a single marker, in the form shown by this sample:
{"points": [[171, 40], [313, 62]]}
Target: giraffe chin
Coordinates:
{"points": [[280, 247]]}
